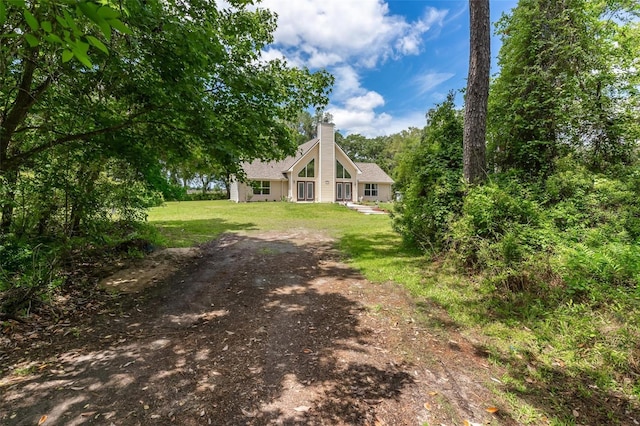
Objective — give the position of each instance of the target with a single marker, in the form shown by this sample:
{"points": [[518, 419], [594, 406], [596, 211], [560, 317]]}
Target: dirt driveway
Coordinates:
{"points": [[260, 328]]}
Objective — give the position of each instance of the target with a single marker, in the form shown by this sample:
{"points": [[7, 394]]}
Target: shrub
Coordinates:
{"points": [[430, 180], [199, 196], [498, 226], [593, 271]]}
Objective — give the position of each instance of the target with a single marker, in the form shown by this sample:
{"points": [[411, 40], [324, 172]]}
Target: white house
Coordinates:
{"points": [[319, 172]]}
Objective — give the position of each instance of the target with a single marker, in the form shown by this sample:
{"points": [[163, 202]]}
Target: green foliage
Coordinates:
{"points": [[429, 177], [577, 232], [592, 270], [102, 101], [498, 230], [493, 209], [69, 28], [564, 85]]}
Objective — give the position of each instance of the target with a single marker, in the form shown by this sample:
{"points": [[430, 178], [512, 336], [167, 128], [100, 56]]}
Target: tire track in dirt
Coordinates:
{"points": [[260, 328]]}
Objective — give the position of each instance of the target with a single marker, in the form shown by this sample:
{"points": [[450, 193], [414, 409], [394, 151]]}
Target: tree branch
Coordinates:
{"points": [[16, 160]]}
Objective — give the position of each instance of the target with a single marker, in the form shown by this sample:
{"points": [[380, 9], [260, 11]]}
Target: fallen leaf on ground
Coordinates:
{"points": [[492, 410], [427, 406], [247, 413], [302, 409], [433, 393], [42, 420]]}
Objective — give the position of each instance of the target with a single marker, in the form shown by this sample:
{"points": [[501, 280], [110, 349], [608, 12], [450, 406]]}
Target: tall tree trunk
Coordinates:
{"points": [[7, 198], [226, 179], [87, 177], [477, 96]]}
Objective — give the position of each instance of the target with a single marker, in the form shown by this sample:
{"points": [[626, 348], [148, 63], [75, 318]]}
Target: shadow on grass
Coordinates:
{"points": [[557, 390], [568, 389], [185, 233], [570, 395]]}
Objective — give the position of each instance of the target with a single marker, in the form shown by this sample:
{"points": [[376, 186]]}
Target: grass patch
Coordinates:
{"points": [[183, 224], [561, 358]]}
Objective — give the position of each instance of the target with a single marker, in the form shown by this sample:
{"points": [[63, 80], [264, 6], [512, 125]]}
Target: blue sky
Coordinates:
{"points": [[392, 59]]}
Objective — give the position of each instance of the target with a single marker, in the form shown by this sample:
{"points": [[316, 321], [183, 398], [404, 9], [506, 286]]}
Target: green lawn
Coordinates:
{"points": [[557, 358], [191, 222], [368, 240]]}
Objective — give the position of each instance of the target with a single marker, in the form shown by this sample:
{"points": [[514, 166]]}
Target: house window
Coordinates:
{"points": [[370, 189], [341, 172], [261, 187], [308, 171]]}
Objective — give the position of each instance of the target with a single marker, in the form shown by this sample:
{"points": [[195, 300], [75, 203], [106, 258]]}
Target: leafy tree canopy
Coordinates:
{"points": [[568, 80], [145, 81]]}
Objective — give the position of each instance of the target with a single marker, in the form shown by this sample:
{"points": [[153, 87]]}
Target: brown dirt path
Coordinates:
{"points": [[261, 328]]}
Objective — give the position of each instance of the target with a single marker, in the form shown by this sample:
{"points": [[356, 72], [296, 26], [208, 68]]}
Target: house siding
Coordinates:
{"points": [[241, 192], [353, 172], [283, 175], [384, 192], [313, 154], [327, 175]]}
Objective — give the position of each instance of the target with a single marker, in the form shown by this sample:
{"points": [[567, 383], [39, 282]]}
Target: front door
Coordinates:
{"points": [[306, 191], [343, 191]]}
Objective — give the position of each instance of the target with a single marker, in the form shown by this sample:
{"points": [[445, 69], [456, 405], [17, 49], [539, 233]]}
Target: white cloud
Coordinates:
{"points": [[271, 54], [368, 101], [331, 32], [353, 108], [364, 122], [411, 42], [370, 124], [430, 80], [347, 83], [349, 38]]}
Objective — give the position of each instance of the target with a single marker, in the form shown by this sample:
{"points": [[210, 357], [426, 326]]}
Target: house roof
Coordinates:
{"points": [[371, 172], [301, 152], [276, 170]]}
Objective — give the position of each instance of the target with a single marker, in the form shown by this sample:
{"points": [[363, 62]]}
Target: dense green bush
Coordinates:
{"points": [[60, 209], [498, 226], [429, 180], [574, 232], [211, 195]]}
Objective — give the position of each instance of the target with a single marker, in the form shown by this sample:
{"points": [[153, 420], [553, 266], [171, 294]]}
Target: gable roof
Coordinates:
{"points": [[349, 159], [371, 172], [275, 170], [300, 153]]}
